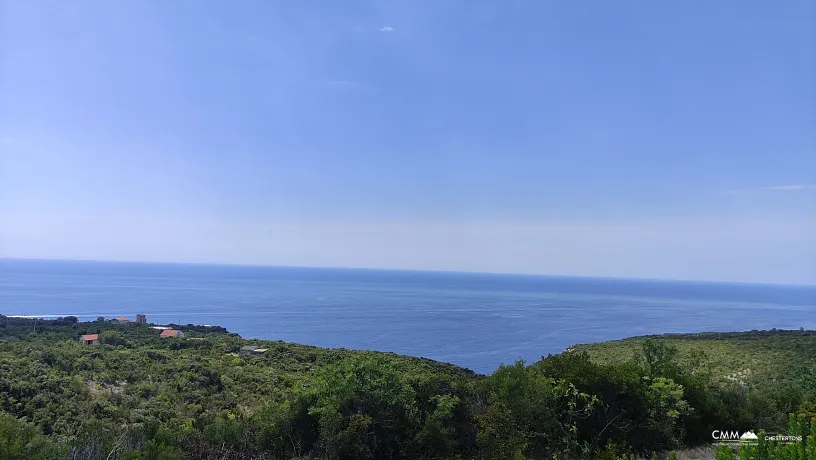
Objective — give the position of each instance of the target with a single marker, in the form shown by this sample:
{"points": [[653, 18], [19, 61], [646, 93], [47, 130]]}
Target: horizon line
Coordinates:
{"points": [[413, 270]]}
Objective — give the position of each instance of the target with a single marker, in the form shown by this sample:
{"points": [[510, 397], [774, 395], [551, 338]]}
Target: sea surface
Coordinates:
{"points": [[477, 321]]}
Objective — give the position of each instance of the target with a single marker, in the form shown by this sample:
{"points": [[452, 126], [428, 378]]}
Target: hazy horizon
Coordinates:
{"points": [[388, 269]]}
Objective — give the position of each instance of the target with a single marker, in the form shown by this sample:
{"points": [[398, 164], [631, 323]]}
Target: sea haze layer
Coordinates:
{"points": [[474, 320]]}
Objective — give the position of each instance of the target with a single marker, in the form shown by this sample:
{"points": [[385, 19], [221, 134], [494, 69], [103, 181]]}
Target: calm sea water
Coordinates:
{"points": [[475, 320]]}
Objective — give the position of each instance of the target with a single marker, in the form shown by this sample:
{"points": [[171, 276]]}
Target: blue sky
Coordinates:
{"points": [[631, 139]]}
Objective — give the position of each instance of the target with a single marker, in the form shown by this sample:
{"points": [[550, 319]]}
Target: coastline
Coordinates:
{"points": [[604, 352]]}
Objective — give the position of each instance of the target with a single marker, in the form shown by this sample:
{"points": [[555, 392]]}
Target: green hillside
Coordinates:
{"points": [[755, 357], [137, 395]]}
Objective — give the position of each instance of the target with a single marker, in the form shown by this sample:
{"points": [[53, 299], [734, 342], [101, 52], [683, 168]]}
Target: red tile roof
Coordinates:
{"points": [[121, 318], [170, 333], [90, 337]]}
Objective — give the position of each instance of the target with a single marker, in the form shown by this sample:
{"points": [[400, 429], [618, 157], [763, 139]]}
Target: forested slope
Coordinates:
{"points": [[141, 396]]}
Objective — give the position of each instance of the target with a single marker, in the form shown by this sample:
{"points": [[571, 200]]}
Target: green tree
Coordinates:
{"points": [[22, 441], [657, 356], [529, 415]]}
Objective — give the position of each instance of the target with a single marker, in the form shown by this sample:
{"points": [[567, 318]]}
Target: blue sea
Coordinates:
{"points": [[474, 320]]}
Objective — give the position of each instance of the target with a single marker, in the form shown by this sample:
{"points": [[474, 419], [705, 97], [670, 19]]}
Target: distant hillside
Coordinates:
{"points": [[752, 357]]}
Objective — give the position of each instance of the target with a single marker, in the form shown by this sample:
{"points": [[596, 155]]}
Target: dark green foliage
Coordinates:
{"points": [[23, 441], [530, 415], [139, 396]]}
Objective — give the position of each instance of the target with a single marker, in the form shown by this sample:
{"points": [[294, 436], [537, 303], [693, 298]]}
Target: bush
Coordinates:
{"points": [[22, 441]]}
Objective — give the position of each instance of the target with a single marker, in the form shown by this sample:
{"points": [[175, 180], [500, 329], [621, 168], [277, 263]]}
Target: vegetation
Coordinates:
{"points": [[139, 396], [753, 357]]}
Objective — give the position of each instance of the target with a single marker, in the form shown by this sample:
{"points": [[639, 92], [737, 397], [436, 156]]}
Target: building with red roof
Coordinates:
{"points": [[172, 333], [89, 339]]}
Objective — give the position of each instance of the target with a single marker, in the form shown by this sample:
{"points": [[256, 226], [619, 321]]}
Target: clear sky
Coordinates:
{"points": [[668, 139]]}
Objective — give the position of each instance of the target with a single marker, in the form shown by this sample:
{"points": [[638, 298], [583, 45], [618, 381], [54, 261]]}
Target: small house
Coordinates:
{"points": [[120, 320], [247, 349], [259, 351], [172, 333], [89, 339]]}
